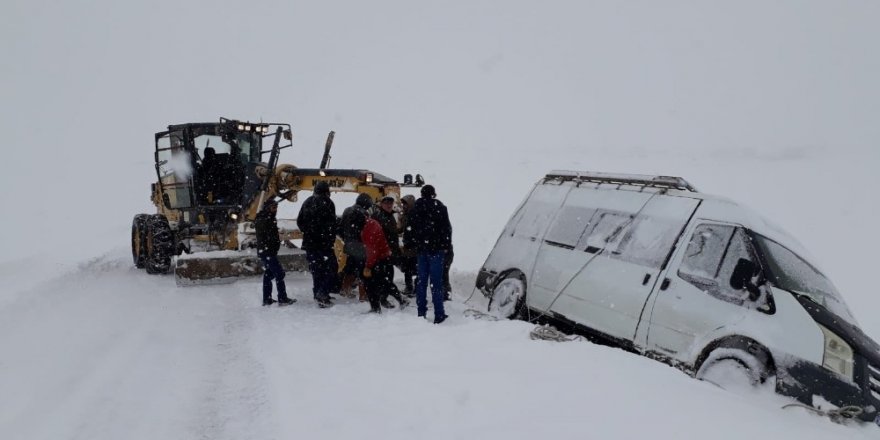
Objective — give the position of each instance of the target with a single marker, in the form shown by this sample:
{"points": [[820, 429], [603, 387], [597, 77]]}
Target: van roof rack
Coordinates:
{"points": [[622, 179]]}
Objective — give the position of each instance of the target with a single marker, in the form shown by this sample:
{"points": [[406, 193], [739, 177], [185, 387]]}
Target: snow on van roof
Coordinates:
{"points": [[631, 179]]}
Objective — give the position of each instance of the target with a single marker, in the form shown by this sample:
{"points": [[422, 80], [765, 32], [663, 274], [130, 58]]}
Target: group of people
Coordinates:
{"points": [[371, 237]]}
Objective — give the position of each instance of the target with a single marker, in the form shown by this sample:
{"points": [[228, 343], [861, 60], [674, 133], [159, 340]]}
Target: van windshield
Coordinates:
{"points": [[790, 272]]}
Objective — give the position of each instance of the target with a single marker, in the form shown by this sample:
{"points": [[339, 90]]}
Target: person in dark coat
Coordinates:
{"points": [[317, 221], [407, 261], [432, 236], [268, 244], [385, 217], [352, 224]]}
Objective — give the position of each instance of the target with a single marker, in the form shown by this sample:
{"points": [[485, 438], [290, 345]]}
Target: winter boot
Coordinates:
{"points": [[268, 302], [286, 301], [362, 292], [347, 284]]}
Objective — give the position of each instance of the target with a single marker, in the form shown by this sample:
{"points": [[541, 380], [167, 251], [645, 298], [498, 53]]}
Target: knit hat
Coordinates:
{"points": [[322, 188], [364, 201], [428, 192]]}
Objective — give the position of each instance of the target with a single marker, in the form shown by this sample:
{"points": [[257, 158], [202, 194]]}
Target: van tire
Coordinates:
{"points": [[509, 296], [740, 357]]}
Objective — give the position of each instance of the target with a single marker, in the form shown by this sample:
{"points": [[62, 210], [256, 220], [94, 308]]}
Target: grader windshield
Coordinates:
{"points": [[207, 164]]}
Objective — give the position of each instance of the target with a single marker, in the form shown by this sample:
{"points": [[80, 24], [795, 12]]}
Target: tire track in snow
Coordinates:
{"points": [[234, 403]]}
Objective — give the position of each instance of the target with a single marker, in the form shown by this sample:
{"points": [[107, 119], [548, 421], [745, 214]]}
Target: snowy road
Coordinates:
{"points": [[108, 352]]}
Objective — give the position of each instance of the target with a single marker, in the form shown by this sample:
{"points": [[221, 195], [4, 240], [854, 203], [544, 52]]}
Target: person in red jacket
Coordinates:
{"points": [[378, 270]]}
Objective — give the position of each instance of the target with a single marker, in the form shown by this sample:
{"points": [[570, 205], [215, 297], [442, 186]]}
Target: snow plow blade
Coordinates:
{"points": [[222, 267]]}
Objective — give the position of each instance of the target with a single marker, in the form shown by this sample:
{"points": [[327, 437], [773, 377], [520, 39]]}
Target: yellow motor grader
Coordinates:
{"points": [[212, 180]]}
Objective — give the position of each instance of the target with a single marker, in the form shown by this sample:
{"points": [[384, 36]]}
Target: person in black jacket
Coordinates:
{"points": [[352, 224], [432, 237], [268, 244], [408, 251], [317, 221], [385, 216]]}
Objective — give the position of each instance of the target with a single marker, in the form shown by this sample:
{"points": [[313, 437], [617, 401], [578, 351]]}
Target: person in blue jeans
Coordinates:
{"points": [[432, 238], [268, 243]]}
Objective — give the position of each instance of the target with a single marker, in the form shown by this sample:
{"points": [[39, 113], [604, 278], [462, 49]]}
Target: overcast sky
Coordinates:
{"points": [[85, 84]]}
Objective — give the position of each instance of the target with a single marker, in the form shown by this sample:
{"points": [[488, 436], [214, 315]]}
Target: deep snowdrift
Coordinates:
{"points": [[110, 352]]}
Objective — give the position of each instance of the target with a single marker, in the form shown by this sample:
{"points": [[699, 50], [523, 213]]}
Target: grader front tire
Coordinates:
{"points": [[160, 244]]}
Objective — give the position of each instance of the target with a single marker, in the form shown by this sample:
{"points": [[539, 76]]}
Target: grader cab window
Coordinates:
{"points": [[174, 166], [221, 162]]}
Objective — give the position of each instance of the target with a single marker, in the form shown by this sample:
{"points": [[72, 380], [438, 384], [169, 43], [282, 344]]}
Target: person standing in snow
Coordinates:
{"points": [[378, 271], [317, 221], [385, 216], [408, 251], [432, 236], [352, 224], [268, 244]]}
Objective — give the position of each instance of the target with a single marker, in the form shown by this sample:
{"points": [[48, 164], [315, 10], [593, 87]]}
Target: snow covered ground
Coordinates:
{"points": [[121, 354], [775, 105]]}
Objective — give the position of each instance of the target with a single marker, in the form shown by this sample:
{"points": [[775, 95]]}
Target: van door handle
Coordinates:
{"points": [[646, 279], [665, 284]]}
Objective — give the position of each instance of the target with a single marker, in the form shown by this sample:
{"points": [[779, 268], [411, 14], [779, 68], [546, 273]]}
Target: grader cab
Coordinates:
{"points": [[212, 179]]}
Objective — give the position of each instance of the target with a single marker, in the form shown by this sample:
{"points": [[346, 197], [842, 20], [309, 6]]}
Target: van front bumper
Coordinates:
{"points": [[803, 380]]}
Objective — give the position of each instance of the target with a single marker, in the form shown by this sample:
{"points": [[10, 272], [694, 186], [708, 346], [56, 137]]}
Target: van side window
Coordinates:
{"points": [[710, 258], [608, 231], [649, 241], [569, 226]]}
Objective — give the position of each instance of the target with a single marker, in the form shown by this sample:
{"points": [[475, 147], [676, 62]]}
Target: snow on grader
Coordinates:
{"points": [[212, 180]]}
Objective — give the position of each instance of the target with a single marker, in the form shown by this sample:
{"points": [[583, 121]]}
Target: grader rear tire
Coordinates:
{"points": [[139, 240]]}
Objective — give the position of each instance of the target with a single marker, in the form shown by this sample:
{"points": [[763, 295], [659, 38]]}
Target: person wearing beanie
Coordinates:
{"points": [[268, 244], [352, 224], [407, 261], [384, 215], [317, 221], [432, 236]]}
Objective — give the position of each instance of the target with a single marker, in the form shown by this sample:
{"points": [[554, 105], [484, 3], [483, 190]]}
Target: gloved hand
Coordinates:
{"points": [[367, 272]]}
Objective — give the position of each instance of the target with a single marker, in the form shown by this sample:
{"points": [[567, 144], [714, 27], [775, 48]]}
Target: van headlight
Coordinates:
{"points": [[838, 355]]}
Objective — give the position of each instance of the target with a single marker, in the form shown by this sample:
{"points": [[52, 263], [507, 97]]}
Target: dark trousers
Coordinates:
{"points": [[447, 263], [381, 283], [324, 269], [430, 267], [408, 267], [272, 270]]}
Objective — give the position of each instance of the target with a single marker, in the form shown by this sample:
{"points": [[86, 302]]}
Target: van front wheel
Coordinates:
{"points": [[508, 298], [734, 370]]}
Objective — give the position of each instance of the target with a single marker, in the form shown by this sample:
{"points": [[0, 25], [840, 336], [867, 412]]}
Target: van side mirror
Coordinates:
{"points": [[743, 274]]}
